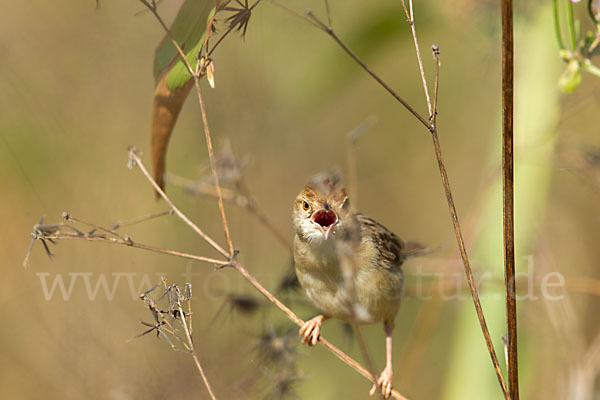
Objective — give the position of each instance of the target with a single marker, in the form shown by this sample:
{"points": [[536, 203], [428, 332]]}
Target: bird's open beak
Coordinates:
{"points": [[326, 220]]}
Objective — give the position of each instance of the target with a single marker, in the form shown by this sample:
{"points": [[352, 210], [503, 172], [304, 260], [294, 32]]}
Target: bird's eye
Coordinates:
{"points": [[305, 205]]}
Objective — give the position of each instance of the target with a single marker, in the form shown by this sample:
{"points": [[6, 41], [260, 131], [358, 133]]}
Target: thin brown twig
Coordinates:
{"points": [[195, 354], [68, 217], [135, 160], [213, 166], [508, 196], [436, 56], [126, 241], [227, 32], [360, 62], [328, 12], [411, 21], [296, 14], [119, 224], [154, 11], [466, 263], [298, 321]]}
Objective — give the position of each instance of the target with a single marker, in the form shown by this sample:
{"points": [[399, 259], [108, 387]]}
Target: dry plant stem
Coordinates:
{"points": [[328, 12], [134, 221], [133, 156], [465, 259], [195, 355], [436, 57], [130, 243], [69, 217], [213, 165], [508, 196], [360, 62], [297, 14], [411, 22]]}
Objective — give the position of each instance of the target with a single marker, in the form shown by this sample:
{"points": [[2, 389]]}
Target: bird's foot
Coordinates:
{"points": [[311, 329], [384, 382]]}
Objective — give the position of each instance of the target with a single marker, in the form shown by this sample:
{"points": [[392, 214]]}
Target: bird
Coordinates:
{"points": [[348, 264]]}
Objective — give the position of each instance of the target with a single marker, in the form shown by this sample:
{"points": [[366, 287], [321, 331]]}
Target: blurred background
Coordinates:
{"points": [[77, 90]]}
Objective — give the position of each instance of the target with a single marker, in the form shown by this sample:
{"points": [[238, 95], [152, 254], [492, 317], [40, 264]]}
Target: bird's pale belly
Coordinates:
{"points": [[366, 306]]}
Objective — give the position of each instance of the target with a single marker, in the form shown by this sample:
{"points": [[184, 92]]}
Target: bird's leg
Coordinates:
{"points": [[385, 378], [311, 329]]}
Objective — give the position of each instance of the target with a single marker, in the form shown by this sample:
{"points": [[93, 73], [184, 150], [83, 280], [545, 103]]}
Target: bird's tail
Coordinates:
{"points": [[415, 249]]}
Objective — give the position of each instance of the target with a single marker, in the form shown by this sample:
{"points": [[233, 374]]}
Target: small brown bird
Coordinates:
{"points": [[348, 264]]}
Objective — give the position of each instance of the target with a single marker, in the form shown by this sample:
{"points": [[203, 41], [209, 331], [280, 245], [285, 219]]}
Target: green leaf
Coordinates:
{"points": [[189, 31]]}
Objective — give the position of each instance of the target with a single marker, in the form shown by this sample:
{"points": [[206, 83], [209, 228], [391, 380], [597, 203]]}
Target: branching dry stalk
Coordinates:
{"points": [[432, 128], [63, 231], [254, 282], [166, 321], [134, 160]]}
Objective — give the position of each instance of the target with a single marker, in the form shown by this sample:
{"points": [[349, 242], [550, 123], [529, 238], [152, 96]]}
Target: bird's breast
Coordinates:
{"points": [[375, 296]]}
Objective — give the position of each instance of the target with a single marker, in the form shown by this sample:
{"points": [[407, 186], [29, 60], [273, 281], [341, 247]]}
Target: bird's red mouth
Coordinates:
{"points": [[325, 218]]}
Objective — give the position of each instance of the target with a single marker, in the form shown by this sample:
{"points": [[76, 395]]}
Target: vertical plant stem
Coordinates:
{"points": [[556, 18], [571, 21], [467, 265], [213, 165], [436, 56], [188, 334], [508, 195], [411, 21]]}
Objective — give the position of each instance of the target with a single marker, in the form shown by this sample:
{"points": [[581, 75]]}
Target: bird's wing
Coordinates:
{"points": [[387, 244]]}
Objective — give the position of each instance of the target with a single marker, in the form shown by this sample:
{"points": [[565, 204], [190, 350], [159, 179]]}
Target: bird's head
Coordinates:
{"points": [[322, 209]]}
